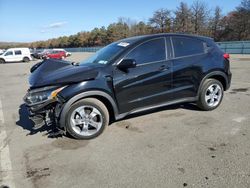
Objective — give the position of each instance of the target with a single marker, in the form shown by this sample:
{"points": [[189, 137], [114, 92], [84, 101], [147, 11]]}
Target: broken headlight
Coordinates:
{"points": [[41, 95]]}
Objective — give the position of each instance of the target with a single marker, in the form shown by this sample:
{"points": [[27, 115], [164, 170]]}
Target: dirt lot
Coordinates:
{"points": [[176, 146]]}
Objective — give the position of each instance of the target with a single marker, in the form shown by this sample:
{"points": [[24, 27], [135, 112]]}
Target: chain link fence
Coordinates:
{"points": [[235, 47], [83, 49]]}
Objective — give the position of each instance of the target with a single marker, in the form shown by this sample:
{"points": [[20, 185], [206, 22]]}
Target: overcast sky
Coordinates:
{"points": [[31, 20]]}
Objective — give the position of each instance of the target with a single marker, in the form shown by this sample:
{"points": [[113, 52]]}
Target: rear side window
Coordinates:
{"points": [[18, 52], [187, 46], [150, 51]]}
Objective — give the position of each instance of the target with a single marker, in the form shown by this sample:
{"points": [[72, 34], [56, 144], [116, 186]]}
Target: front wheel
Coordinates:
{"points": [[87, 118], [2, 61], [211, 95]]}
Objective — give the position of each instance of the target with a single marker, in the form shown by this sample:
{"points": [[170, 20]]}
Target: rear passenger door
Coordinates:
{"points": [[188, 62], [149, 82]]}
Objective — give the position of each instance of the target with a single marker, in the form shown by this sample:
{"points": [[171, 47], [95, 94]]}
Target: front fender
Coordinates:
{"points": [[66, 106]]}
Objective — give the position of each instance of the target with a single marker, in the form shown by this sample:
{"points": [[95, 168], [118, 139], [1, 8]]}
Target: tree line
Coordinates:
{"points": [[197, 18]]}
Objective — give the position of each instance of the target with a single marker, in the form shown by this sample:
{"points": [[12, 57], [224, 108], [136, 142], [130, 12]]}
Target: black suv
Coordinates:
{"points": [[125, 77]]}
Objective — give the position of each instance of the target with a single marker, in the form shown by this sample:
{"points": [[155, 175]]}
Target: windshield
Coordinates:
{"points": [[106, 54]]}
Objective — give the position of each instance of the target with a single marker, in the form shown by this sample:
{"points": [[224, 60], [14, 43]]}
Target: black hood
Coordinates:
{"points": [[58, 72]]}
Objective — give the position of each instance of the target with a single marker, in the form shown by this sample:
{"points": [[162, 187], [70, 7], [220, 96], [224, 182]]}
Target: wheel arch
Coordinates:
{"points": [[105, 98], [3, 59], [26, 57], [218, 75]]}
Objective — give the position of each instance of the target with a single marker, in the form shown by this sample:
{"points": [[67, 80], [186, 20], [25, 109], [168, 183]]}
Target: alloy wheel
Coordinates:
{"points": [[86, 120], [213, 95]]}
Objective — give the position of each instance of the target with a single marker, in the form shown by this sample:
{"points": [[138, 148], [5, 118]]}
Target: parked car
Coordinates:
{"points": [[33, 52], [40, 53], [60, 49], [55, 54], [126, 77], [16, 55], [1, 51]]}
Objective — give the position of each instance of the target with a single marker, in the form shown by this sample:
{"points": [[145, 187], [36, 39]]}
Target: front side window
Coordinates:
{"points": [[184, 46], [8, 53], [150, 51], [18, 52]]}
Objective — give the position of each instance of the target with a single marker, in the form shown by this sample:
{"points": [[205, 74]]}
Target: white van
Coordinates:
{"points": [[16, 55]]}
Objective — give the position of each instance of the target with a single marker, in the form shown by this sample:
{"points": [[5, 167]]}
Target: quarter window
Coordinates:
{"points": [[150, 51], [18, 52], [187, 46]]}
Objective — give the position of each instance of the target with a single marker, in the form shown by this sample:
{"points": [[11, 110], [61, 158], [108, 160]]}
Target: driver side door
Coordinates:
{"points": [[148, 83], [9, 56]]}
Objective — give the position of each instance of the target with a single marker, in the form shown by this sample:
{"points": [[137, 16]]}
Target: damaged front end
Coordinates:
{"points": [[48, 80], [44, 106]]}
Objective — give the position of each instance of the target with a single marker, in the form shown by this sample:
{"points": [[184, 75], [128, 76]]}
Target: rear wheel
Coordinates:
{"points": [[26, 59], [2, 61], [211, 95], [87, 118]]}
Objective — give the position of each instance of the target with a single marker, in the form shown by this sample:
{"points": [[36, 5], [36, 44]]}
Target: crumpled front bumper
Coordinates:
{"points": [[40, 114], [39, 108]]}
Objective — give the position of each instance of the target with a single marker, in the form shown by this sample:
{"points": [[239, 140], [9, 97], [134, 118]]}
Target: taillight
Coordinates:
{"points": [[226, 56]]}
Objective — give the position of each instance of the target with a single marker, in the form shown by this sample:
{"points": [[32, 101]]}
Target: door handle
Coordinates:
{"points": [[163, 68]]}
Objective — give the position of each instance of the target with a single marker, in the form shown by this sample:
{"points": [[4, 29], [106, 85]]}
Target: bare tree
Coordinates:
{"points": [[200, 15], [161, 20], [237, 23], [215, 24], [242, 20], [245, 4], [183, 19]]}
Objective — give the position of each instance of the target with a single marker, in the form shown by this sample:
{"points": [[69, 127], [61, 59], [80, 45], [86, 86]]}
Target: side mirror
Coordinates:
{"points": [[126, 64]]}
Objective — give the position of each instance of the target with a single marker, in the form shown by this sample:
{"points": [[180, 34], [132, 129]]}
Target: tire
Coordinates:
{"points": [[211, 95], [26, 59], [2, 61], [98, 116]]}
